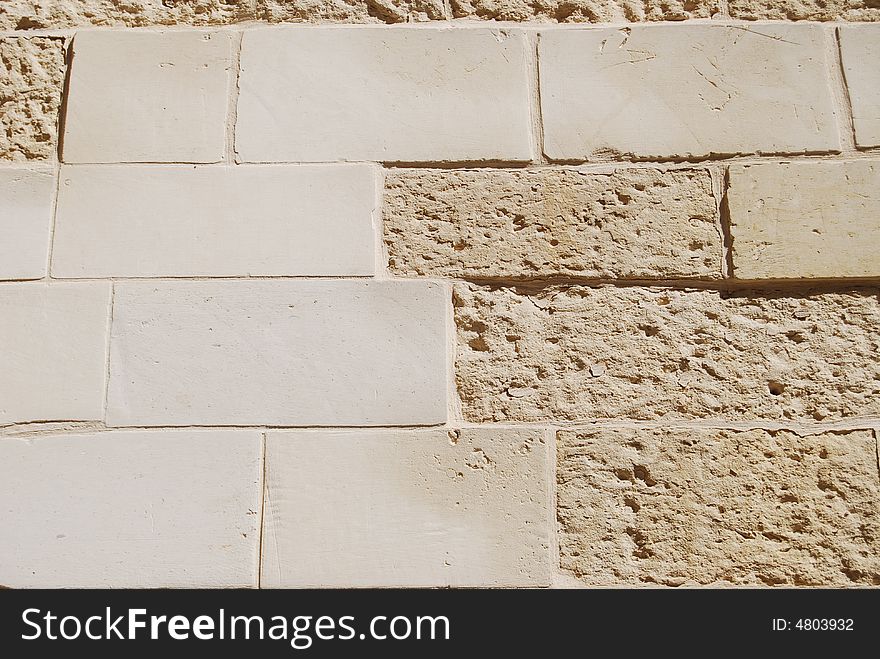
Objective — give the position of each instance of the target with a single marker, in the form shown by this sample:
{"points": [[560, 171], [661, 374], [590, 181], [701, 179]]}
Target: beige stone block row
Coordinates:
{"points": [[517, 224], [284, 353], [681, 506], [805, 219], [573, 353], [26, 200], [685, 91], [215, 221], [165, 509], [31, 82], [388, 508]]}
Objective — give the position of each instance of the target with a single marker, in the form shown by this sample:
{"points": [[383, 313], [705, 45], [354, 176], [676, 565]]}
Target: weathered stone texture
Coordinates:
{"points": [[41, 14], [575, 353], [805, 219], [719, 507], [37, 14], [350, 11], [529, 223], [806, 10], [584, 11], [31, 80]]}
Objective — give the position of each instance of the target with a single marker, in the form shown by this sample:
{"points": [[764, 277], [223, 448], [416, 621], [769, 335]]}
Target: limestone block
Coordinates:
{"points": [[150, 220], [860, 52], [721, 507], [43, 14], [53, 357], [313, 353], [805, 10], [805, 219], [530, 223], [383, 94], [584, 11], [580, 353], [685, 91], [402, 508], [148, 97], [350, 11], [166, 509], [26, 197], [31, 80]]}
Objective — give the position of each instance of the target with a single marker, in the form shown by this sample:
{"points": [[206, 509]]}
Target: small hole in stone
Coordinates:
{"points": [[776, 388]]}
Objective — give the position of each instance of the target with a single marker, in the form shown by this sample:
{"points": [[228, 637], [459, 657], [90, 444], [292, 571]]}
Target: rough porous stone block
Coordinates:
{"points": [[131, 510], [54, 346], [297, 353], [153, 220], [530, 223], [43, 14], [678, 506], [805, 219], [383, 94], [580, 353], [350, 11], [26, 197], [384, 508], [148, 97], [584, 11], [31, 81], [860, 53], [685, 91], [805, 10]]}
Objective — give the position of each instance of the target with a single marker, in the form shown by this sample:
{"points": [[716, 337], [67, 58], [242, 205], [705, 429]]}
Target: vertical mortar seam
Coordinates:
{"points": [[110, 314], [230, 155], [554, 555], [263, 488], [454, 415], [724, 219], [840, 91], [60, 125], [380, 253]]}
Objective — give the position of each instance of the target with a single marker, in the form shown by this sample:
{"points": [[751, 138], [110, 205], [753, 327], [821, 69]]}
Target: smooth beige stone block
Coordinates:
{"points": [[403, 508], [148, 97], [685, 91], [860, 52], [805, 219], [165, 509], [297, 353], [153, 221], [383, 94], [26, 198], [54, 351]]}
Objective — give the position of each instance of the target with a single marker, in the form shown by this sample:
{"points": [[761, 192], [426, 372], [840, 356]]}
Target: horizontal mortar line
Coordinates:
{"points": [[184, 278], [720, 285], [23, 430], [811, 427], [670, 163], [464, 23]]}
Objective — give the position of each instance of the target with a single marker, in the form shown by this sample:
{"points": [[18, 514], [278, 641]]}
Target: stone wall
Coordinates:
{"points": [[460, 304]]}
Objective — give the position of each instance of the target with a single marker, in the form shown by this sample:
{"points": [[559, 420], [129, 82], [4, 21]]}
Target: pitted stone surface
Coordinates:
{"points": [[719, 507], [577, 353], [31, 80], [641, 223], [805, 10]]}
